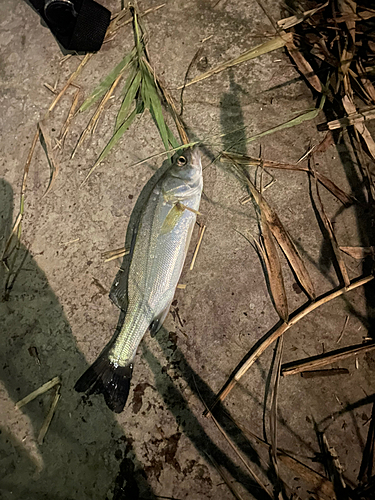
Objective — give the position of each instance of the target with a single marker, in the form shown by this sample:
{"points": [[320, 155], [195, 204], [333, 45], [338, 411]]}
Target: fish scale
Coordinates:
{"points": [[159, 250]]}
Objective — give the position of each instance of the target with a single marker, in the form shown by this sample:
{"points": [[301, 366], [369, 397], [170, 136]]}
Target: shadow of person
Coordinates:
{"points": [[188, 421], [78, 455]]}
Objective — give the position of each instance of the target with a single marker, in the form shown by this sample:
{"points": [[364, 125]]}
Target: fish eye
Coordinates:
{"points": [[181, 161]]}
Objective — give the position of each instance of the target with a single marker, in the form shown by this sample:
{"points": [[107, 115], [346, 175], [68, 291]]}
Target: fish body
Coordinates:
{"points": [[159, 247]]}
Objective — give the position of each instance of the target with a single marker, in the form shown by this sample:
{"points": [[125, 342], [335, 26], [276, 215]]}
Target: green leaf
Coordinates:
{"points": [[133, 70], [307, 115], [145, 91], [108, 80], [155, 107], [138, 34], [171, 138], [115, 138], [128, 99]]}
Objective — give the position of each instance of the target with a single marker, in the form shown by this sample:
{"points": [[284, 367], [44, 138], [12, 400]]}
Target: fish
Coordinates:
{"points": [[159, 244]]}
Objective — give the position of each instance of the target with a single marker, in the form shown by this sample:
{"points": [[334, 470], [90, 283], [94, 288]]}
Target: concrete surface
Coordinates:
{"points": [[159, 446]]}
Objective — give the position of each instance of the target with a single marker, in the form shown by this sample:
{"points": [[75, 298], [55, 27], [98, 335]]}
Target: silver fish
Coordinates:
{"points": [[158, 251]]}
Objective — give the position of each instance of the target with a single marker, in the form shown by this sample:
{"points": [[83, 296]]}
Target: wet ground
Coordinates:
{"points": [[160, 446]]}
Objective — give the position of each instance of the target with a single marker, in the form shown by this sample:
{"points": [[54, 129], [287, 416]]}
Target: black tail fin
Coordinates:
{"points": [[103, 377]]}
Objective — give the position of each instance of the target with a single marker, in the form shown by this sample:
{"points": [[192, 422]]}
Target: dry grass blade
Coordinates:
{"points": [[283, 239], [115, 254], [273, 412], [325, 144], [358, 252], [360, 124], [345, 198], [328, 372], [6, 254], [275, 43], [239, 455], [341, 268], [322, 487], [95, 117], [226, 478], [270, 337], [69, 118], [275, 275], [325, 359], [165, 153], [291, 21], [41, 390], [17, 227], [343, 329], [202, 229], [72, 77], [47, 146], [304, 66], [334, 468], [366, 470], [49, 416], [353, 117], [366, 82], [117, 18]]}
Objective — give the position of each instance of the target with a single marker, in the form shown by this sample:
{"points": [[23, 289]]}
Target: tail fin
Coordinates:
{"points": [[104, 377]]}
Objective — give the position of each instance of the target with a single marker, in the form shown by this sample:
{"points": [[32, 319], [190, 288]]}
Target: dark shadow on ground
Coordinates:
{"points": [[365, 213], [188, 422], [84, 442], [231, 118]]}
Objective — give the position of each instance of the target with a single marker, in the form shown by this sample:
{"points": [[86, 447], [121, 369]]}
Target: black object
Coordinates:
{"points": [[79, 25]]}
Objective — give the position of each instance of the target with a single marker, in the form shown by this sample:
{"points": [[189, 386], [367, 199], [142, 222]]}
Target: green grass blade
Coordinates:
{"points": [[171, 138], [138, 35], [303, 117], [156, 111], [114, 139], [128, 99], [107, 82], [133, 70], [145, 92]]}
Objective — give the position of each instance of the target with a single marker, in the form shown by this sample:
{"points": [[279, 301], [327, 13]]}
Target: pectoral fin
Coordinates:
{"points": [[172, 218]]}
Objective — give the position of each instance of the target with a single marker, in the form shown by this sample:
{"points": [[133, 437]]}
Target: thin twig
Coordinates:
{"points": [[229, 441], [41, 390], [49, 416], [325, 359], [269, 338], [72, 77], [203, 228], [343, 329]]}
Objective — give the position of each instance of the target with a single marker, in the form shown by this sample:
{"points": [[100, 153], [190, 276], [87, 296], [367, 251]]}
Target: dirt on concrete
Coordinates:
{"points": [[160, 446]]}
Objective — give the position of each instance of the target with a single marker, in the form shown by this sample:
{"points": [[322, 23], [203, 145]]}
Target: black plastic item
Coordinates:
{"points": [[79, 25]]}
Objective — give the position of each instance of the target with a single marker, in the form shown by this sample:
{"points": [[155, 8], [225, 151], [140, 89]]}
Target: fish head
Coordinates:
{"points": [[185, 174]]}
